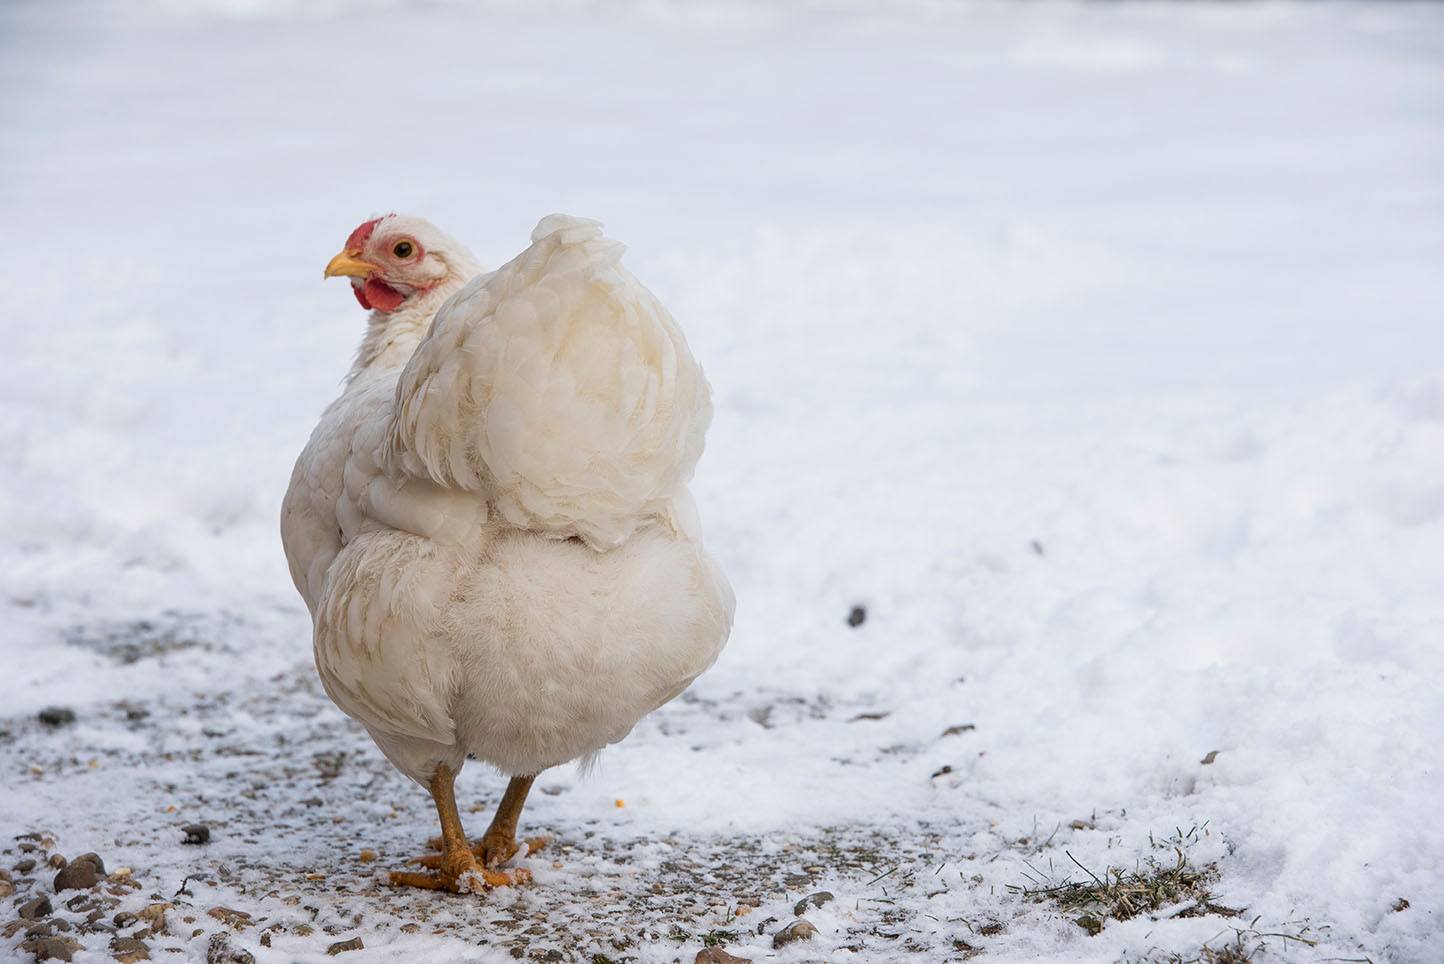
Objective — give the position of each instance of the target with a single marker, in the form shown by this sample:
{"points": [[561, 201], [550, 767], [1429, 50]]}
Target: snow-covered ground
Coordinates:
{"points": [[1097, 351]]}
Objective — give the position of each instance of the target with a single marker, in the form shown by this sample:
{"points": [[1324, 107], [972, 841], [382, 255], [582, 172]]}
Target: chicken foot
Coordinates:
{"points": [[455, 868], [499, 843]]}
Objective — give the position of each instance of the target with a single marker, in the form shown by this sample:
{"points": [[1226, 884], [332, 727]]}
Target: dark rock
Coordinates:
{"points": [[857, 617], [959, 729], [56, 860], [55, 716], [81, 873], [798, 930], [124, 919], [52, 948], [1091, 924], [128, 950], [1402, 904], [716, 955], [341, 947], [36, 909], [1209, 757], [812, 900], [43, 929], [196, 833], [80, 902], [25, 866]]}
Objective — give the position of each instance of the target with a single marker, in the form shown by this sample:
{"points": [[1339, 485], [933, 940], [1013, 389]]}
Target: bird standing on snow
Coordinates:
{"points": [[491, 525]]}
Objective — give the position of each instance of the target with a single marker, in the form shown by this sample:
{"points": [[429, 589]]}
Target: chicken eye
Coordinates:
{"points": [[403, 249]]}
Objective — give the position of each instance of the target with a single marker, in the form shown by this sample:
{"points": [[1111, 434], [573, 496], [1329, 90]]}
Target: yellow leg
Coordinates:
{"points": [[455, 867], [498, 844]]}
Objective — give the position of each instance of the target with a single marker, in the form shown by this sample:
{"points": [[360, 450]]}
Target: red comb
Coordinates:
{"points": [[359, 237]]}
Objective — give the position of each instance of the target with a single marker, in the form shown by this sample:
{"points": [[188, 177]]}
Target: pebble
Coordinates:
{"points": [[238, 919], [857, 617], [128, 950], [154, 916], [25, 866], [6, 888], [341, 947], [196, 833], [220, 951], [812, 900], [52, 948], [124, 919], [35, 909], [716, 955], [56, 860], [81, 873], [54, 716], [798, 930]]}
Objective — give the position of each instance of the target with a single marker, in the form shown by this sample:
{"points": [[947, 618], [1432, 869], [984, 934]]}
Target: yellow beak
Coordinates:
{"points": [[346, 265]]}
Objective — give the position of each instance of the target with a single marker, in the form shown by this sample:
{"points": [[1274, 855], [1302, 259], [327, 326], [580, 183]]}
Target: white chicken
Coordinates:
{"points": [[491, 525]]}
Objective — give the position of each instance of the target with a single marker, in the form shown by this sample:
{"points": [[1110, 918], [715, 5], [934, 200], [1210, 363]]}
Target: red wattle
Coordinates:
{"points": [[361, 297], [381, 295]]}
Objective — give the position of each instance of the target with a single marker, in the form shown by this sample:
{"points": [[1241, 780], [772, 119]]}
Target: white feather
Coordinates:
{"points": [[427, 522]]}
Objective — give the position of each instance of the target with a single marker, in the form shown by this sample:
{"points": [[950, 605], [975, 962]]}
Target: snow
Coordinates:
{"points": [[1095, 350]]}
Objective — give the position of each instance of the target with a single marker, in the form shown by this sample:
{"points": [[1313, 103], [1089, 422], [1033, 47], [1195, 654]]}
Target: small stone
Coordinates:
{"points": [[128, 950], [154, 916], [196, 833], [1209, 757], [52, 948], [220, 951], [81, 873], [56, 716], [367, 856], [812, 900], [235, 918], [1402, 904], [36, 908], [857, 617], [798, 930], [341, 947], [43, 929], [6, 888], [266, 939], [25, 866], [716, 955], [959, 729], [80, 902], [1090, 924], [56, 860], [124, 919]]}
